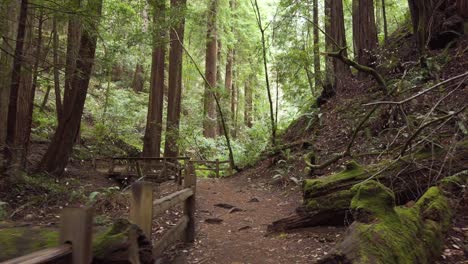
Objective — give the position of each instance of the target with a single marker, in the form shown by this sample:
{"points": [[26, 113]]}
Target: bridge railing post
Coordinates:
{"points": [[189, 204], [141, 207], [76, 228]]}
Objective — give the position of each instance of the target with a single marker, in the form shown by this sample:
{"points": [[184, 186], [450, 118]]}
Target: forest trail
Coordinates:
{"points": [[241, 236]]}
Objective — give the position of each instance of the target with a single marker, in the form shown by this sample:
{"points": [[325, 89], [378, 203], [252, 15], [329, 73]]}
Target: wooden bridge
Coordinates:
{"points": [[129, 169], [76, 227]]}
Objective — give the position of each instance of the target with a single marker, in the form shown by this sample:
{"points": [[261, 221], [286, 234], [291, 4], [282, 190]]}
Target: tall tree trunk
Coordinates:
{"points": [[73, 46], [337, 71], [248, 104], [56, 158], [364, 32], [138, 78], [10, 149], [209, 107], [58, 97], [171, 148], [153, 133], [9, 11], [228, 77], [27, 87], [317, 72], [462, 6]]}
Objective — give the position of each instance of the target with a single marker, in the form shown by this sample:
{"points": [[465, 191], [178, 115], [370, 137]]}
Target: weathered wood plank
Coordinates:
{"points": [[189, 205], [76, 227], [141, 208], [177, 233], [43, 256], [165, 203]]}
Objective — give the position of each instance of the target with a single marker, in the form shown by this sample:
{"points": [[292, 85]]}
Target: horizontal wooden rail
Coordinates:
{"points": [[43, 256], [176, 233], [75, 237], [165, 203], [148, 158]]}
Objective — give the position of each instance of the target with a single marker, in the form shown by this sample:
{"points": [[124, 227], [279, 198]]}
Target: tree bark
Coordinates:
{"points": [[336, 71], [248, 103], [10, 149], [9, 11], [384, 17], [317, 72], [73, 46], [138, 78], [462, 6], [56, 158], [171, 148], [58, 97], [364, 32], [27, 88], [209, 107], [153, 133]]}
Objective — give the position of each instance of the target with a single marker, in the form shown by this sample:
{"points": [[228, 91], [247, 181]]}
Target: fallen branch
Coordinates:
{"points": [[380, 80], [422, 127], [420, 93]]}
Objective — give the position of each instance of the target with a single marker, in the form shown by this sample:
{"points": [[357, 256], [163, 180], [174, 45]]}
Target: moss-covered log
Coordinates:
{"points": [[118, 244], [327, 199], [385, 233]]}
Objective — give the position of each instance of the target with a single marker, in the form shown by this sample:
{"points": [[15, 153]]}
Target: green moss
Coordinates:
{"points": [[333, 201], [19, 241], [352, 173], [113, 236], [399, 235]]}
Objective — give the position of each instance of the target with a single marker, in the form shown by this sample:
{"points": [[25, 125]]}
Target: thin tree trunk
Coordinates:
{"points": [[248, 104], [265, 65], [228, 77], [153, 133], [58, 99], [209, 107], [317, 72], [10, 149], [56, 158], [171, 148], [384, 15], [45, 99], [364, 32]]}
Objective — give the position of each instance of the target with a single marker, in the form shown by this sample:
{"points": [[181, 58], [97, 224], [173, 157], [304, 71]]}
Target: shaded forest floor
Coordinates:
{"points": [[231, 236]]}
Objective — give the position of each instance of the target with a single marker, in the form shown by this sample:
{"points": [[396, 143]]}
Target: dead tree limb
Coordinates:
{"points": [[362, 68]]}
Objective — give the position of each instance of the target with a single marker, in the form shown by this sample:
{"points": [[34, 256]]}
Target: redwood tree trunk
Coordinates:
{"points": [[171, 148], [337, 71], [209, 107], [56, 158], [9, 25], [27, 89], [10, 152], [462, 6], [364, 32], [153, 133], [73, 46]]}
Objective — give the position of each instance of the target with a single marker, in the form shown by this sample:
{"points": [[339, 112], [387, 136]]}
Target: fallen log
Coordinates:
{"points": [[385, 233], [120, 243], [327, 199]]}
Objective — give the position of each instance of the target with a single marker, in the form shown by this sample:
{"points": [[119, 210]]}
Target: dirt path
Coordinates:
{"points": [[241, 236]]}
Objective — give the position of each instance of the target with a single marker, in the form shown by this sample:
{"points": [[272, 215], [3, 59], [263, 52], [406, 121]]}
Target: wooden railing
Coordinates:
{"points": [[77, 223], [217, 166], [76, 226]]}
